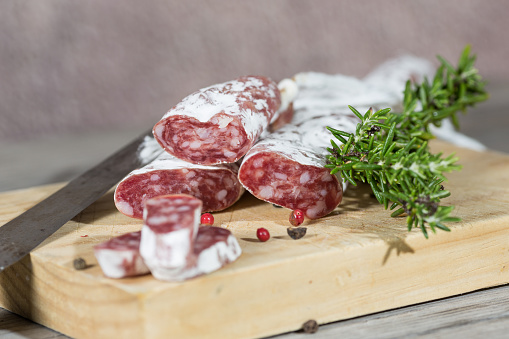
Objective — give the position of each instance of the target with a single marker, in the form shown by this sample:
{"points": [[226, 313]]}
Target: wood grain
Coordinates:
{"points": [[353, 262], [481, 314]]}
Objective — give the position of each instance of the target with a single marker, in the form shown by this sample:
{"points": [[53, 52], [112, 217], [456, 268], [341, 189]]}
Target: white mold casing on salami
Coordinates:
{"points": [[320, 94], [217, 186], [148, 149], [288, 90], [120, 257], [392, 75], [170, 226], [220, 123]]}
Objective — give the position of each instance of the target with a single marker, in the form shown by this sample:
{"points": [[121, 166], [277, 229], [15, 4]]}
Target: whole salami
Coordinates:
{"points": [[217, 186], [220, 123]]}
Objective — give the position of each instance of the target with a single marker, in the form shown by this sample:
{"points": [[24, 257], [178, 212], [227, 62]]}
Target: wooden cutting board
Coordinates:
{"points": [[356, 261]]}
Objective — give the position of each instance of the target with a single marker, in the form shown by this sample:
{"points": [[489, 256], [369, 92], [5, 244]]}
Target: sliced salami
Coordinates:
{"points": [[286, 168], [220, 123], [214, 248], [120, 257], [170, 225], [173, 245], [216, 186]]}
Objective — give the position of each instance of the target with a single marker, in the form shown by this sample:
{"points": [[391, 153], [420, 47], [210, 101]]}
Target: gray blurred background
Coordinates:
{"points": [[80, 78]]}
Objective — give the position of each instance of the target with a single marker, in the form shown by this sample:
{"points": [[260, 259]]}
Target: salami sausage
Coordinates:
{"points": [[286, 168], [220, 123], [173, 245], [217, 186], [120, 257]]}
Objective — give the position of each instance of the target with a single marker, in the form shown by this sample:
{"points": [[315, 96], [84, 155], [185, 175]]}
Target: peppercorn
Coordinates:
{"points": [[262, 234], [79, 264], [296, 232], [296, 217], [207, 219], [310, 326]]}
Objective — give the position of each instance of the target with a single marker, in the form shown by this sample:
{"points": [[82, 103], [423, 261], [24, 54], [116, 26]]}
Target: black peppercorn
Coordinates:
{"points": [[80, 264], [310, 326], [296, 232]]}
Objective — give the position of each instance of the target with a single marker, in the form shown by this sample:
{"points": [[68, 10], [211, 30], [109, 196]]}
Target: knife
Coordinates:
{"points": [[25, 232]]}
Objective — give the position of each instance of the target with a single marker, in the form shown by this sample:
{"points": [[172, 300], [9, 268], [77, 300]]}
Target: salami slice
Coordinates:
{"points": [[173, 245], [168, 233], [220, 123], [217, 186], [120, 257], [213, 248]]}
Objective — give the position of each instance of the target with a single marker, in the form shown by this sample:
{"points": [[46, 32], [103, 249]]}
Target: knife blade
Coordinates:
{"points": [[25, 232]]}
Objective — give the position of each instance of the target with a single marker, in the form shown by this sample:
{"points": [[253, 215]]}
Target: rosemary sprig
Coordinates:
{"points": [[390, 152]]}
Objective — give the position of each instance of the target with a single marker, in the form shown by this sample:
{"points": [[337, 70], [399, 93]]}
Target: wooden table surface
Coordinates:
{"points": [[479, 314]]}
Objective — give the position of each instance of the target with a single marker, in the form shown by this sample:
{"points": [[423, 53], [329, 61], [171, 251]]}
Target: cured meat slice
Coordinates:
{"points": [[175, 248], [168, 233], [214, 248], [286, 168], [120, 257], [217, 186], [220, 123]]}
